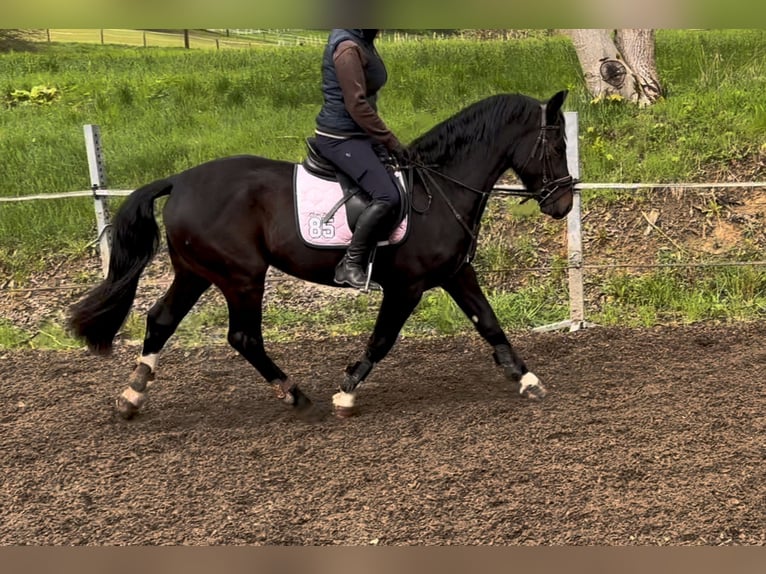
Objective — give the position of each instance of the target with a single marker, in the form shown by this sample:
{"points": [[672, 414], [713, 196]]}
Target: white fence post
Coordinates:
{"points": [[98, 181], [574, 228], [576, 319]]}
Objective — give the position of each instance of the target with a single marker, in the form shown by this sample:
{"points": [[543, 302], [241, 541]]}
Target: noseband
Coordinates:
{"points": [[550, 187]]}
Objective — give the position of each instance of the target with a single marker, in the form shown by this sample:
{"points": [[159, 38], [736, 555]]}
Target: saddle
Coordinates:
{"points": [[354, 197]]}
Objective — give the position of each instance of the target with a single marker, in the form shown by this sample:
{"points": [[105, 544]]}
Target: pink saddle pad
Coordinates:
{"points": [[314, 198]]}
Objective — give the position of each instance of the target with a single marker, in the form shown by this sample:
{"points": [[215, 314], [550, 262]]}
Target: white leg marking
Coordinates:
{"points": [[529, 379], [134, 397], [343, 399], [150, 361], [474, 318]]}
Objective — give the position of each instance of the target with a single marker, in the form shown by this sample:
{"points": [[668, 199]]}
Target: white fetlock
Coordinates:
{"points": [[531, 387], [343, 400]]}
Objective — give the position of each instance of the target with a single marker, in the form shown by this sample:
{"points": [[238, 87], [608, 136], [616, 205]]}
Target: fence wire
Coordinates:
{"points": [[499, 190], [494, 272]]}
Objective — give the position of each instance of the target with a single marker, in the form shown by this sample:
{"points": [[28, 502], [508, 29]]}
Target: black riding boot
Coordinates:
{"points": [[351, 270]]}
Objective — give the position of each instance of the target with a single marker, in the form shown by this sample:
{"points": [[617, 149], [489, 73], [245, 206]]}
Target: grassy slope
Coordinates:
{"points": [[162, 110]]}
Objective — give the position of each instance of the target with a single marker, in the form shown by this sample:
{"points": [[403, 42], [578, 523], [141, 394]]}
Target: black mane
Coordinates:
{"points": [[477, 124]]}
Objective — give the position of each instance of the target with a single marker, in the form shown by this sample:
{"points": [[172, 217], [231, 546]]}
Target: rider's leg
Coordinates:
{"points": [[358, 158]]}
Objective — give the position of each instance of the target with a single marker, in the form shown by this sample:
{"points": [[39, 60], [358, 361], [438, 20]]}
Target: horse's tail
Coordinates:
{"points": [[135, 239]]}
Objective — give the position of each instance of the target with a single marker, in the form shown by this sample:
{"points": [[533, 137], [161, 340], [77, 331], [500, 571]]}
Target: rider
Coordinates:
{"points": [[350, 133]]}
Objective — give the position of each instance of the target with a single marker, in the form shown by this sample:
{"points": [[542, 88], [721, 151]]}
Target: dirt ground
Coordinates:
{"points": [[648, 436]]}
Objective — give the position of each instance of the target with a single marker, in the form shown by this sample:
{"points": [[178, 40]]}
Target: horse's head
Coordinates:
{"points": [[544, 171]]}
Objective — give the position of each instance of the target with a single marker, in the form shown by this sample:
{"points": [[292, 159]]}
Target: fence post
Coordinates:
{"points": [[574, 229], [98, 181]]}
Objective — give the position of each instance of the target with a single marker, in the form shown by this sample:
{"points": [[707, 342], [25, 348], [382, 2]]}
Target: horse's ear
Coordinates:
{"points": [[554, 105]]}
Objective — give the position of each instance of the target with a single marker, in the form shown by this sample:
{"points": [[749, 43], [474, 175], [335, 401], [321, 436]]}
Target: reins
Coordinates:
{"points": [[549, 187], [428, 173], [545, 194]]}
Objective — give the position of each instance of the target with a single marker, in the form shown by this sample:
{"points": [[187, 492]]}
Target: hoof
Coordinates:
{"points": [[536, 393], [301, 404], [286, 396], [125, 408], [343, 403], [291, 395], [531, 387], [129, 402], [346, 412]]}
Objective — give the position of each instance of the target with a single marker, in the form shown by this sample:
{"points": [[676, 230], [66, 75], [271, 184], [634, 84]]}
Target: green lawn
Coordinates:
{"points": [[163, 109]]}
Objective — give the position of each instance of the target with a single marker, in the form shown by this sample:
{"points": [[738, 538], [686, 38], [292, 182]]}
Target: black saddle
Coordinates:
{"points": [[354, 197]]}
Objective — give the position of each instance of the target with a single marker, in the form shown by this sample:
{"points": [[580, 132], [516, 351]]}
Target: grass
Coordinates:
{"points": [[436, 314], [163, 109], [684, 295], [49, 335]]}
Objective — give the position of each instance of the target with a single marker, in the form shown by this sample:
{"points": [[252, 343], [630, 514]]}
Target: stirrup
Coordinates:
{"points": [[368, 284], [366, 287]]}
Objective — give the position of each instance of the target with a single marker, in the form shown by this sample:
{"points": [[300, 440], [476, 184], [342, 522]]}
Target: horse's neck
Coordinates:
{"points": [[465, 193], [483, 165], [476, 174]]}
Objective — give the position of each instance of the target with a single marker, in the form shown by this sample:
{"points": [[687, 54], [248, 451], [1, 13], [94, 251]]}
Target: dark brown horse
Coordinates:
{"points": [[229, 219]]}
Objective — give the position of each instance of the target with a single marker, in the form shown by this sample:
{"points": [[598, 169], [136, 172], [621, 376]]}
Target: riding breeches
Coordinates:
{"points": [[357, 157]]}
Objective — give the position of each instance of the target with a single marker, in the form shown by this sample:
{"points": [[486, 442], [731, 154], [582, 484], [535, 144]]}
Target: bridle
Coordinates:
{"points": [[550, 187], [550, 190]]}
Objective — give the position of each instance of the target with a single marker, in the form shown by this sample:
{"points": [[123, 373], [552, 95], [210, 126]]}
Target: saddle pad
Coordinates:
{"points": [[314, 198]]}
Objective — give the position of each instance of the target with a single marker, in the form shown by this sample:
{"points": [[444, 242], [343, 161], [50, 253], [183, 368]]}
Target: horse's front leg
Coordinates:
{"points": [[464, 288], [394, 311]]}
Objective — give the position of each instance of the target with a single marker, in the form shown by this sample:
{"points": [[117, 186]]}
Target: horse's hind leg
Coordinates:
{"points": [[161, 322], [464, 288], [245, 335]]}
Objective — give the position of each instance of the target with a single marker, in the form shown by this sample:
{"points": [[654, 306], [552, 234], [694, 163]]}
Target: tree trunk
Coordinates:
{"points": [[637, 47], [618, 64]]}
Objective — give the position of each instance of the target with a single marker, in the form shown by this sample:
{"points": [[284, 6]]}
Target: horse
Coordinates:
{"points": [[229, 219]]}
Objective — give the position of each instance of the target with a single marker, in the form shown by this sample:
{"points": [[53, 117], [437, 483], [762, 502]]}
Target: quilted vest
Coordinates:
{"points": [[333, 117]]}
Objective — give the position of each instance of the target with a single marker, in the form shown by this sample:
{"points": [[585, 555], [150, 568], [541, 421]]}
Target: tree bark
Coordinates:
{"points": [[620, 63], [637, 47]]}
